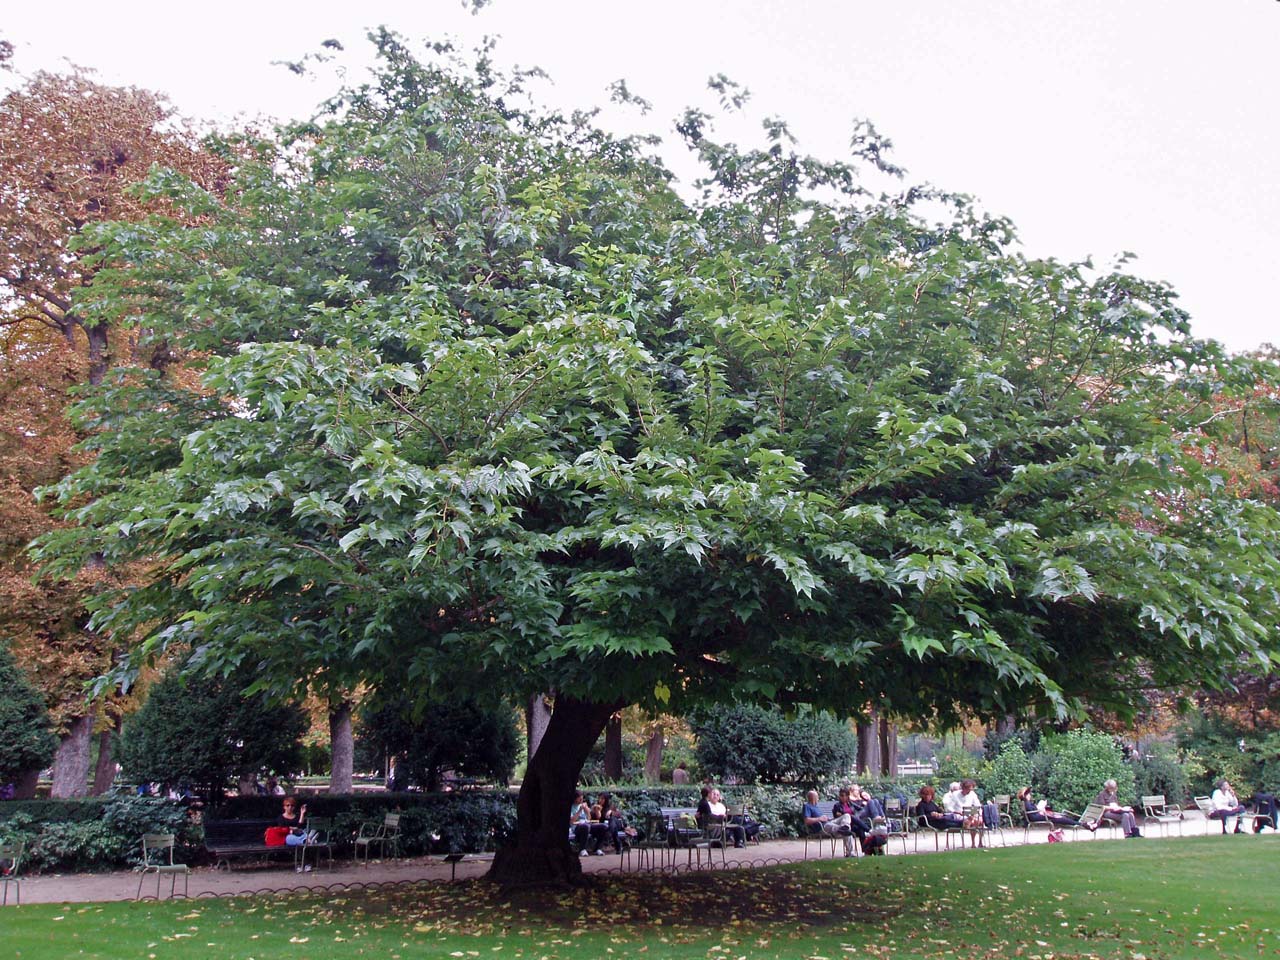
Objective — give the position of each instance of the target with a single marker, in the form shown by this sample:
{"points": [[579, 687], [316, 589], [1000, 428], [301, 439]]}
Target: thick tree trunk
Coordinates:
{"points": [[653, 757], [537, 714], [71, 763], [613, 749], [104, 773], [541, 853], [342, 748], [25, 787], [868, 747], [888, 748]]}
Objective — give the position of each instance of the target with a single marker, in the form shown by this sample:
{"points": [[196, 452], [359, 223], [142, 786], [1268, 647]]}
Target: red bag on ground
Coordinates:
{"points": [[275, 836]]}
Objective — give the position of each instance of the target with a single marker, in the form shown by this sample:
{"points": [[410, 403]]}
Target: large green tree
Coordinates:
{"points": [[489, 408]]}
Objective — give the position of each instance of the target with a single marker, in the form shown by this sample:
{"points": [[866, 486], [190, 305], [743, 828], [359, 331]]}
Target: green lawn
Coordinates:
{"points": [[1196, 897]]}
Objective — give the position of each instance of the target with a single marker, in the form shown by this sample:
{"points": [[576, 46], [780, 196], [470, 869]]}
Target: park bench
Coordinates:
{"points": [[225, 840]]}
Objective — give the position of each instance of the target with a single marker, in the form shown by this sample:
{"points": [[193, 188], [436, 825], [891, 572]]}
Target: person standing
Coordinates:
{"points": [[680, 774]]}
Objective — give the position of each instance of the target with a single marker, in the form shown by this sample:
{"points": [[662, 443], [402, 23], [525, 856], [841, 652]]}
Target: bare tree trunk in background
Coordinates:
{"points": [[653, 756], [613, 748], [71, 762], [341, 747], [888, 748], [104, 773], [869, 746], [537, 714]]}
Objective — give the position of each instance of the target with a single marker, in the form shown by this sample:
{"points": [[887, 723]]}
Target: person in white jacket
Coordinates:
{"points": [[1226, 805]]}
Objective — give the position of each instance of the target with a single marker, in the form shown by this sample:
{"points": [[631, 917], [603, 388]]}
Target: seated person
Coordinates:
{"points": [[865, 801], [294, 820], [720, 814], [1037, 813], [932, 815], [616, 830], [815, 821], [860, 821], [1115, 812], [1226, 806], [972, 811]]}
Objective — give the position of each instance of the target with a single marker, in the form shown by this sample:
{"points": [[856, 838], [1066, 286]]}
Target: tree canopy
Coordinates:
{"points": [[488, 406]]}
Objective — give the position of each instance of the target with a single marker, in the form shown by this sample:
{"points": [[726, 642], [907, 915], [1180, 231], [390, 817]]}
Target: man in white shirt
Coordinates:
{"points": [[952, 801], [1226, 805]]}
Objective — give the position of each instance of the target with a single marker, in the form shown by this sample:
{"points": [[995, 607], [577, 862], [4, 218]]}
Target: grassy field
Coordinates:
{"points": [[1194, 897]]}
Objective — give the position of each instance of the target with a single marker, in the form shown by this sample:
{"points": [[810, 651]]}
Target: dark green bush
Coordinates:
{"points": [[109, 839], [1161, 771], [469, 738], [72, 811], [205, 732], [1082, 761], [26, 741], [1216, 748], [754, 744]]}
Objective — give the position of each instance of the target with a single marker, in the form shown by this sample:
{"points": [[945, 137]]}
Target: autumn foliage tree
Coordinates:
{"points": [[70, 150]]}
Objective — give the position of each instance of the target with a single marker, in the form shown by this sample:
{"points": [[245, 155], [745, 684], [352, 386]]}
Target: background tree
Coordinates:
{"points": [[487, 404], [427, 740], [26, 742], [205, 732], [759, 745], [70, 148]]}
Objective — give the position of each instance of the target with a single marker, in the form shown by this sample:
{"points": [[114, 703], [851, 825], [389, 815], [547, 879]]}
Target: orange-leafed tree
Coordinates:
{"points": [[70, 149]]}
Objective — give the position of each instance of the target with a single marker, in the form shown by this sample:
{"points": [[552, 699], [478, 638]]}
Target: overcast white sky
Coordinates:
{"points": [[1097, 125]]}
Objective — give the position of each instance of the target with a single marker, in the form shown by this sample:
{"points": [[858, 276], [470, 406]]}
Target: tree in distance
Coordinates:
{"points": [[489, 408], [427, 739], [204, 732], [26, 741]]}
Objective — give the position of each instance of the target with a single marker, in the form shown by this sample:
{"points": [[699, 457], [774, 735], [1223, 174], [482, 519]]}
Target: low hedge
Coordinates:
{"points": [[462, 821], [63, 835], [70, 811]]}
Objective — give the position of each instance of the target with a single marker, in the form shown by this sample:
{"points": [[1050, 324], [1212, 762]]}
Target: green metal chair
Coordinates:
{"points": [[10, 863], [157, 858], [384, 835], [320, 838]]}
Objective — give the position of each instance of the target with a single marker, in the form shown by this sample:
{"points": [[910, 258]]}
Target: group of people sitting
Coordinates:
{"points": [[595, 826], [961, 809], [854, 814]]}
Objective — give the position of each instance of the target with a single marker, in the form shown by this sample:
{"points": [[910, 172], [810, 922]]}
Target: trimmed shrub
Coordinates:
{"points": [[1161, 772], [471, 739], [107, 839], [204, 732], [753, 744], [1081, 761], [1009, 772]]}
